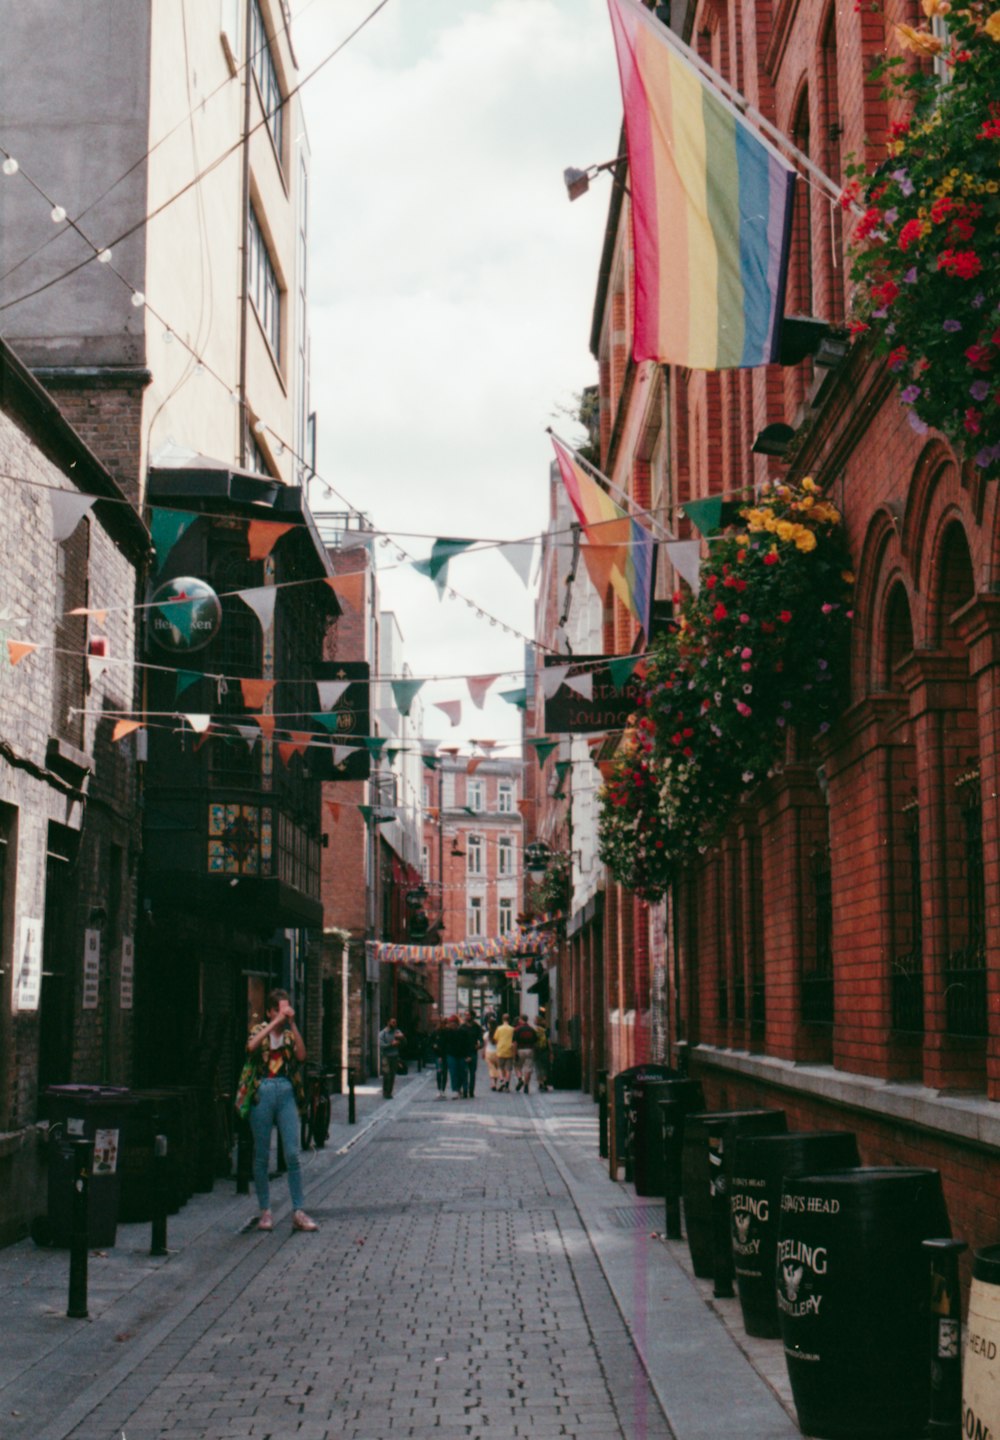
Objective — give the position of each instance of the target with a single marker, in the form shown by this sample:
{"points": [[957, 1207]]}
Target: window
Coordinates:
{"points": [[262, 283], [69, 662], [266, 74], [256, 459], [425, 863], [475, 922], [474, 854], [506, 917], [505, 798], [426, 792], [475, 793], [505, 855]]}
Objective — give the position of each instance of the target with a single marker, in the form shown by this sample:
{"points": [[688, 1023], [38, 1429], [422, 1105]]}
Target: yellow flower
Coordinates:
{"points": [[809, 484], [847, 576], [785, 530], [805, 541], [935, 7], [807, 502], [783, 492], [921, 42], [992, 26]]}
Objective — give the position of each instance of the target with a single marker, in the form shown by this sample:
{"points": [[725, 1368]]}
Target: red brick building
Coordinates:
{"points": [[837, 953]]}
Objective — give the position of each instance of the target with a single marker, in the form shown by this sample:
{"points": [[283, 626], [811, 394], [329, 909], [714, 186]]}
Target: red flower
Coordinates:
{"points": [[771, 558], [711, 581], [972, 421], [849, 194], [963, 264], [961, 229], [910, 233], [720, 612], [941, 209], [885, 294], [868, 222], [980, 357], [784, 616], [990, 130], [857, 327]]}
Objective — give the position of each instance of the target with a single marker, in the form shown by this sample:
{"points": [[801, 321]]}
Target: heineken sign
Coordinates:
{"points": [[184, 615]]}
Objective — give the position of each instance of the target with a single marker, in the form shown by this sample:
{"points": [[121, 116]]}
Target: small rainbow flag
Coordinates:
{"points": [[606, 525], [711, 209]]}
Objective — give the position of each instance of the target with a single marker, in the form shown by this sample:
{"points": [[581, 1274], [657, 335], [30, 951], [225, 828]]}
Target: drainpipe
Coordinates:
{"points": [[244, 249]]}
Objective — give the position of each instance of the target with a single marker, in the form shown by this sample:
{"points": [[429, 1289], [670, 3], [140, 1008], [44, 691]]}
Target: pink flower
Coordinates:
{"points": [[744, 619], [743, 708]]}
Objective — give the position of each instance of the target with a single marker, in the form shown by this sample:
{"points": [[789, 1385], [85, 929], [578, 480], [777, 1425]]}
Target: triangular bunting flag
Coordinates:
{"points": [[330, 691], [478, 686], [125, 727], [166, 527], [261, 601], [370, 818], [404, 692], [68, 509], [543, 749], [297, 745], [474, 764], [431, 761], [266, 723], [436, 566], [705, 515], [198, 723], [255, 692], [685, 557], [453, 710], [248, 733], [620, 670], [17, 649], [342, 753], [262, 536], [334, 808], [552, 677], [202, 740], [327, 719], [582, 684], [373, 743], [520, 554], [515, 697], [178, 611], [349, 588], [562, 767], [98, 616], [185, 679]]}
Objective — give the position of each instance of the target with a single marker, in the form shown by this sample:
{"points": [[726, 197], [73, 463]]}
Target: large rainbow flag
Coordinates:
{"points": [[711, 209], [607, 526]]}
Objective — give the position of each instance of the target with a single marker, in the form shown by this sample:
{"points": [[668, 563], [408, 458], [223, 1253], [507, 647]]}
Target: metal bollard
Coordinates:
{"points": [[602, 1114], [83, 1159], [158, 1239], [945, 1418], [244, 1156], [352, 1114]]}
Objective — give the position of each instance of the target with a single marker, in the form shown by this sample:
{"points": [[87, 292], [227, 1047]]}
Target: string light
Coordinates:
{"points": [[104, 256], [10, 166], [138, 299], [58, 214]]}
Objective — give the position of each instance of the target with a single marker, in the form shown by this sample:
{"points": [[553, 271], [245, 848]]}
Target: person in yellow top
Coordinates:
{"points": [[503, 1039]]}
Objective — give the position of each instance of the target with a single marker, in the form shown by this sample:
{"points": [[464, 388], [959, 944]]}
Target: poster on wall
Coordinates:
{"points": [[28, 986], [91, 969], [127, 973]]}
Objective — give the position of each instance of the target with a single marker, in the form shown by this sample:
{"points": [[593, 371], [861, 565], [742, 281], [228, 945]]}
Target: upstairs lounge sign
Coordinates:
{"points": [[607, 708]]}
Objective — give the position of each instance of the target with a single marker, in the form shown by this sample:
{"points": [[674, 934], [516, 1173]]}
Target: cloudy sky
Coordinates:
{"points": [[451, 287]]}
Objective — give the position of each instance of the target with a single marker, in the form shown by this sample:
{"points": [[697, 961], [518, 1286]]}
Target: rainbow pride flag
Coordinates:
{"points": [[711, 209], [607, 526]]}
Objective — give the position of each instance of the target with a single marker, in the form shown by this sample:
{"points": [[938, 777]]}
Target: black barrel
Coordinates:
{"points": [[981, 1378], [853, 1299], [697, 1178], [760, 1165], [647, 1136], [677, 1100]]}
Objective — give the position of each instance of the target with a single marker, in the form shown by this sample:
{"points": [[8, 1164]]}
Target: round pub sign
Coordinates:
{"points": [[185, 615]]}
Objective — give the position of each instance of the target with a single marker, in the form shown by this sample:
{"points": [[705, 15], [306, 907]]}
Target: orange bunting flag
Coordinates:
{"points": [[334, 808], [17, 649], [298, 744], [125, 727], [100, 616], [473, 765], [266, 723], [350, 588], [263, 535], [200, 741], [522, 805], [255, 692]]}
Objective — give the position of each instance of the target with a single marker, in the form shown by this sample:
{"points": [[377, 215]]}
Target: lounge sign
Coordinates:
{"points": [[185, 614], [606, 708]]}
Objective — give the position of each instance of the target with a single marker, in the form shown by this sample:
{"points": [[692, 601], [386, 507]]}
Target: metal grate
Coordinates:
{"points": [[636, 1217]]}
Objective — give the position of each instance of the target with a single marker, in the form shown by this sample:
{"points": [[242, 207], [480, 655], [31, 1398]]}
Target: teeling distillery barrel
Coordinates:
{"points": [[853, 1298], [696, 1173], [676, 1100], [981, 1375], [760, 1165]]}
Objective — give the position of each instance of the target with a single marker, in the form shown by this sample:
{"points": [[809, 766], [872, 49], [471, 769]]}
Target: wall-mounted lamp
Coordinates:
{"points": [[537, 856], [773, 440], [577, 182]]}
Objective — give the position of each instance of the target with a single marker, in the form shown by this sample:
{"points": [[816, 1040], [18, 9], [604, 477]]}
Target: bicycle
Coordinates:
{"points": [[316, 1119]]}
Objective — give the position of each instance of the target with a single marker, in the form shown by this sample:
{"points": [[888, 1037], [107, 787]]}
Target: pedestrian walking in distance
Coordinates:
{"points": [[439, 1043], [390, 1041], [275, 1052], [474, 1033], [490, 1052], [524, 1045], [503, 1038]]}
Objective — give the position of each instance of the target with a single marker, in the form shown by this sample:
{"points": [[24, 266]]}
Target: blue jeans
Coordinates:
{"points": [[275, 1104], [458, 1069]]}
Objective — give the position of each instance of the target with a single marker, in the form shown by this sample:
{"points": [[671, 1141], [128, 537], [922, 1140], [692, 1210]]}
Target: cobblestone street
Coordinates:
{"points": [[453, 1289]]}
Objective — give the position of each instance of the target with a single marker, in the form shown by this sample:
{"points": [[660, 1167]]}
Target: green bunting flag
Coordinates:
{"points": [[543, 749], [404, 692], [327, 718], [515, 697], [562, 766], [705, 515], [185, 679], [431, 761], [436, 567], [166, 527], [373, 743], [621, 670]]}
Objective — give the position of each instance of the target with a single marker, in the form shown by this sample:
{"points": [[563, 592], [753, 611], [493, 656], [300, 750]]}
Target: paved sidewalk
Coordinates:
{"points": [[476, 1272]]}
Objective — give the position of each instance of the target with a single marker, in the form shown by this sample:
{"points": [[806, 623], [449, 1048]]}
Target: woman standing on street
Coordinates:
{"points": [[277, 1050]]}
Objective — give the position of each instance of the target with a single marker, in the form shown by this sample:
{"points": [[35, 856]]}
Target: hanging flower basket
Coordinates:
{"points": [[763, 646], [926, 251]]}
